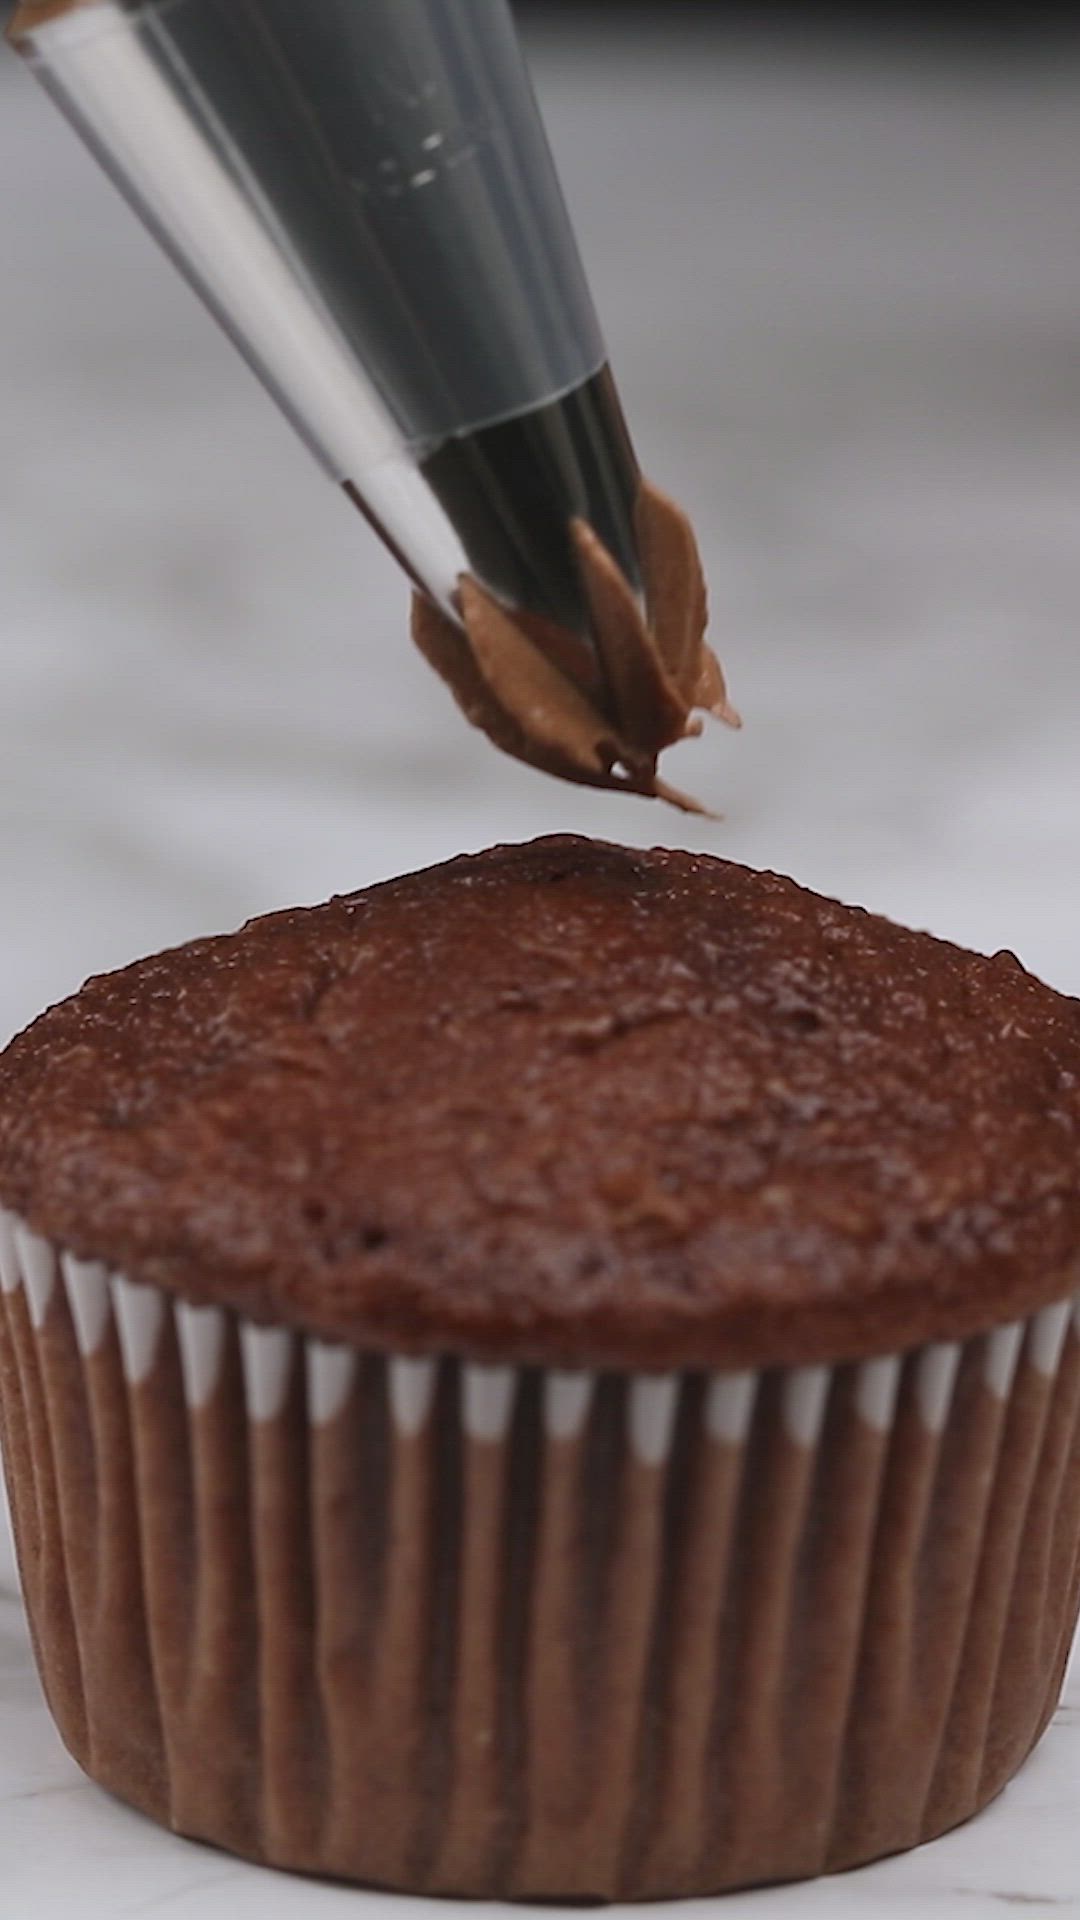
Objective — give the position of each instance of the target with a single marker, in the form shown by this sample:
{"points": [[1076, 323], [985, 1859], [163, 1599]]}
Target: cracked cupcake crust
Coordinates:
{"points": [[598, 715], [566, 1103]]}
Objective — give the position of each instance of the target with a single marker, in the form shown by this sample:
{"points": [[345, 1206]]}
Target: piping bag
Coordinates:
{"points": [[363, 194]]}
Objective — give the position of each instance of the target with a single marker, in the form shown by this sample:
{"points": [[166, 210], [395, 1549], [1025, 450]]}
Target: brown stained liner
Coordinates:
{"points": [[472, 1839], [541, 1666], [965, 1767], [34, 1499], [702, 1574], [600, 721], [1033, 1626], [934, 1491], [289, 1714]]}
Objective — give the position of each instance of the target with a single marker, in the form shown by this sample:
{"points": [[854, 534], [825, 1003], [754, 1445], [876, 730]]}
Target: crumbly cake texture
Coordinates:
{"points": [[599, 714], [566, 1102]]}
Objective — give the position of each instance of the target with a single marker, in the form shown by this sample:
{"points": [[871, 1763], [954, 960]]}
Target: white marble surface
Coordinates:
{"points": [[843, 303]]}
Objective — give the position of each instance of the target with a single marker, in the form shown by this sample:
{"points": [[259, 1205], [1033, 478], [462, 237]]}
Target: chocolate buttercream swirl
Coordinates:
{"points": [[599, 715]]}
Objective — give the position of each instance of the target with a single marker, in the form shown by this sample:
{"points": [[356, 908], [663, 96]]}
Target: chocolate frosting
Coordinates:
{"points": [[597, 714], [567, 1103]]}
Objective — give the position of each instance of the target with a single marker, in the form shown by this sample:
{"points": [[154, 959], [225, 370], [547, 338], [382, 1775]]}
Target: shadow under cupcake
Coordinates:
{"points": [[554, 1376]]}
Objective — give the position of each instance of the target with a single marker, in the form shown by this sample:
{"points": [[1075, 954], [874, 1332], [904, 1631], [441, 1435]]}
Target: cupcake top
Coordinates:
{"points": [[566, 1103]]}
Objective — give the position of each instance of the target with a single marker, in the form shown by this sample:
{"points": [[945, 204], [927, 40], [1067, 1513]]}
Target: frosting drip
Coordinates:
{"points": [[599, 715]]}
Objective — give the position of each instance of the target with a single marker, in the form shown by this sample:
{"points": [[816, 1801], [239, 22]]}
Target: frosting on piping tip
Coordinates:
{"points": [[599, 715]]}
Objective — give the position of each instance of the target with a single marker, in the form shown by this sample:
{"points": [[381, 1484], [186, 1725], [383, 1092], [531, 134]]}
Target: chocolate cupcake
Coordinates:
{"points": [[554, 1376]]}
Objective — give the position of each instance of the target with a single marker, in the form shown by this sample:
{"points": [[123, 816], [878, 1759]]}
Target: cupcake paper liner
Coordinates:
{"points": [[521, 1632]]}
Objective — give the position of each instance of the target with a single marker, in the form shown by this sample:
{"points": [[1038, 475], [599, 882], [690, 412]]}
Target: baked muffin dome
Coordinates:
{"points": [[566, 1103]]}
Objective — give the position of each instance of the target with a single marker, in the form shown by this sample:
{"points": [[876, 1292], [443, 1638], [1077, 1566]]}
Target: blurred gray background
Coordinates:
{"points": [[840, 280]]}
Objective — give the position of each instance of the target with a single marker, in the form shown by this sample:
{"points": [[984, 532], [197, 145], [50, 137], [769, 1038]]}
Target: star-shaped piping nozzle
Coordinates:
{"points": [[599, 715]]}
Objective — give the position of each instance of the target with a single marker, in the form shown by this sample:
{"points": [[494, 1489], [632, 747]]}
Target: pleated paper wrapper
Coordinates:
{"points": [[518, 1632]]}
